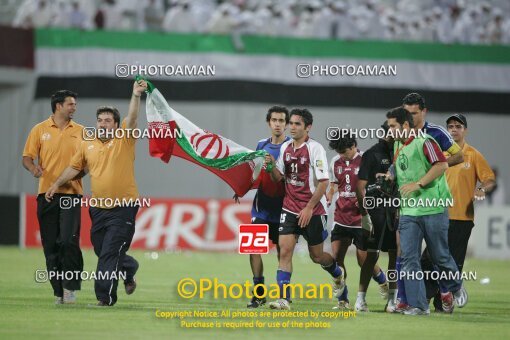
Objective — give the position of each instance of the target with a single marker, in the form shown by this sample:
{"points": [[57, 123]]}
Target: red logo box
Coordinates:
{"points": [[253, 239]]}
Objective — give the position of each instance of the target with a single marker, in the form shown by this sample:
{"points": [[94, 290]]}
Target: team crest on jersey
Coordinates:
{"points": [[403, 162], [45, 136], [287, 157], [467, 165], [356, 170], [339, 170], [303, 160]]}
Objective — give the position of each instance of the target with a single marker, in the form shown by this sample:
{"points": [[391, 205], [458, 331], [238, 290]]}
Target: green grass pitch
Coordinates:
{"points": [[27, 308]]}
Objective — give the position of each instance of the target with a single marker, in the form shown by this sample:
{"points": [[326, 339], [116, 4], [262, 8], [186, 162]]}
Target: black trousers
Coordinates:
{"points": [[458, 238], [111, 235], [60, 238]]}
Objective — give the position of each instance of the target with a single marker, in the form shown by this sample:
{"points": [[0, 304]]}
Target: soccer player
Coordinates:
{"points": [[378, 222], [112, 176], [343, 176], [302, 165], [415, 104], [468, 182], [420, 166], [53, 143], [268, 201]]}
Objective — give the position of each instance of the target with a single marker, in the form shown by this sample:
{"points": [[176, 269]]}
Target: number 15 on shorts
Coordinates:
{"points": [[253, 239]]}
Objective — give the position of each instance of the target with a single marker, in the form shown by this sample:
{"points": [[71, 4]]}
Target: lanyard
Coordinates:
{"points": [[396, 153]]}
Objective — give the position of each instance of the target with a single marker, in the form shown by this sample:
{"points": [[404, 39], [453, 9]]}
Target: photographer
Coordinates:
{"points": [[377, 222]]}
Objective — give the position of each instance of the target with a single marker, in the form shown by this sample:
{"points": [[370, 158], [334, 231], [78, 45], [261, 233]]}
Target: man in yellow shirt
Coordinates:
{"points": [[110, 159], [468, 182], [53, 142]]}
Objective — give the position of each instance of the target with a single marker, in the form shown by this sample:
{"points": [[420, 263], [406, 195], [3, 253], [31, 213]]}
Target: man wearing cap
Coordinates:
{"points": [[468, 181]]}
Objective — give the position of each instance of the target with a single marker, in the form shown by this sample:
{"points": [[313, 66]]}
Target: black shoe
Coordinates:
{"points": [[438, 305], [256, 302], [130, 286]]}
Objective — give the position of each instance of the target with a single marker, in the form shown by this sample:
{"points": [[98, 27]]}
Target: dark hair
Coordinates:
{"points": [[343, 143], [413, 99], [303, 113], [109, 109], [385, 126], [401, 115], [59, 97], [279, 109]]}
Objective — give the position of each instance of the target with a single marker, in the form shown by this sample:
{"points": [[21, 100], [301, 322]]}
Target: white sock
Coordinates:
{"points": [[361, 296], [392, 295]]}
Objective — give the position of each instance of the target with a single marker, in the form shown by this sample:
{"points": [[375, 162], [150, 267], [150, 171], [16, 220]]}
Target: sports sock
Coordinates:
{"points": [[380, 278], [259, 281], [344, 296], [333, 269], [283, 278], [361, 296]]}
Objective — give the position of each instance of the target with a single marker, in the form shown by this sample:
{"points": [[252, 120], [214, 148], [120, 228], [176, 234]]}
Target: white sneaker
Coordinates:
{"points": [[461, 297], [391, 306], [361, 306], [339, 284], [416, 311], [280, 304], [69, 296], [384, 289]]}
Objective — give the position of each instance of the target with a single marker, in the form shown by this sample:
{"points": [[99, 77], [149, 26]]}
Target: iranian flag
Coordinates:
{"points": [[171, 134]]}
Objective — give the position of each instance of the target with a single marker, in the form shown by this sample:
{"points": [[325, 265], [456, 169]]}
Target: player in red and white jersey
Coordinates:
{"points": [[343, 175], [302, 165]]}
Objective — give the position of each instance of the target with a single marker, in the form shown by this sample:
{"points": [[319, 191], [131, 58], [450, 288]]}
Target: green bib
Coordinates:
{"points": [[411, 165]]}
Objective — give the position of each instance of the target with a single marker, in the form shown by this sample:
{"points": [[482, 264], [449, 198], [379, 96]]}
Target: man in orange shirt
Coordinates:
{"points": [[53, 142], [110, 160], [469, 181]]}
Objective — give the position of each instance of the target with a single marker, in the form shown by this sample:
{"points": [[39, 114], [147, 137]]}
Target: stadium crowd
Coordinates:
{"points": [[444, 21]]}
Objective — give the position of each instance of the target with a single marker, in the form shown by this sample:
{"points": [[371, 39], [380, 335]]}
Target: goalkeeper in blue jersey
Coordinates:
{"points": [[267, 204]]}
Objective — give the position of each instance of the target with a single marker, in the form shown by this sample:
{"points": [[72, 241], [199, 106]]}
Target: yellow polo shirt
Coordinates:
{"points": [[462, 179], [111, 167], [54, 149]]}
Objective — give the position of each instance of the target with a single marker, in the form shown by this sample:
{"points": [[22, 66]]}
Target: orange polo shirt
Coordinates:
{"points": [[462, 179], [111, 167], [54, 149]]}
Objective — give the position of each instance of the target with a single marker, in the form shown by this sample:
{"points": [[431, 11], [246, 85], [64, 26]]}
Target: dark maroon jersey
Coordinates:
{"points": [[302, 168], [345, 174]]}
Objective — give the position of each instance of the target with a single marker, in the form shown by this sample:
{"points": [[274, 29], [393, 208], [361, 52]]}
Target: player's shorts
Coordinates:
{"points": [[383, 238], [355, 235], [314, 233], [273, 228]]}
